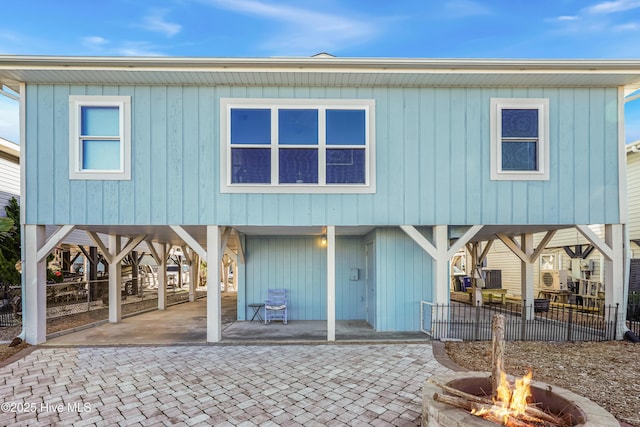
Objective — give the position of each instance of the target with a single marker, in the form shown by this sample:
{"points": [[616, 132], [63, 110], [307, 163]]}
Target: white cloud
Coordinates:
{"points": [[155, 22], [612, 7], [600, 18], [567, 18], [138, 49], [94, 42], [631, 26], [304, 29]]}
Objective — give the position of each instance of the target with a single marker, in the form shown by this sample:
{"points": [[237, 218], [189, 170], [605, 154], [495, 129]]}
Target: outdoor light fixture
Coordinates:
{"points": [[323, 240]]}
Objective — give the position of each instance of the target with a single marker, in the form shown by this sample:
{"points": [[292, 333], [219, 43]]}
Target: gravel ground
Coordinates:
{"points": [[607, 373]]}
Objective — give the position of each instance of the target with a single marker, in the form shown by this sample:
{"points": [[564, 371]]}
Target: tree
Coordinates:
{"points": [[10, 244]]}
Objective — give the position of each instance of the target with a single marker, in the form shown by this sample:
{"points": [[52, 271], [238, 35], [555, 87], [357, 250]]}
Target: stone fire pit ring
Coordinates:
{"points": [[437, 414]]}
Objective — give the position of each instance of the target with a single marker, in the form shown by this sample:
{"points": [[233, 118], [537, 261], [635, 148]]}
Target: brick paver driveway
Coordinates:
{"points": [[326, 385]]}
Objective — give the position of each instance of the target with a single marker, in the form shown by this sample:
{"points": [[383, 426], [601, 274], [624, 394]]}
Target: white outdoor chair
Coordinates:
{"points": [[275, 307]]}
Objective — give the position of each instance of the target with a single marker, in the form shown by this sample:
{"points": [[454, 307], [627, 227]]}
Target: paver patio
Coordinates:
{"points": [[222, 385]]}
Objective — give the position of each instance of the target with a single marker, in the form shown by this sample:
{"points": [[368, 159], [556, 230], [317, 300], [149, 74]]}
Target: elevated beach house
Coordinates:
{"points": [[349, 182]]}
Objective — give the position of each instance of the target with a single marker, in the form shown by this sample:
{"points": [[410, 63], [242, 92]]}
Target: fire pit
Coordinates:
{"points": [[574, 409]]}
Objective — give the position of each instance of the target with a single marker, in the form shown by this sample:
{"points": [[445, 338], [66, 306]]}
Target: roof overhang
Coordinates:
{"points": [[318, 71], [10, 148], [633, 147]]}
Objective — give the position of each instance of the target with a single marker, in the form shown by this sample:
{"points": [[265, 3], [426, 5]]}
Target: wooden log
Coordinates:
{"points": [[459, 402], [497, 330], [470, 397], [467, 405], [531, 411]]}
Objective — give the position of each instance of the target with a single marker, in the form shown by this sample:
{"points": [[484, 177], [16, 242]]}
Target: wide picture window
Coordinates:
{"points": [[297, 145]]}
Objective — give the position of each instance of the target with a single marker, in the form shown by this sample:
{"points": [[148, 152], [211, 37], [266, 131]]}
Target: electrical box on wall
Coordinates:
{"points": [[355, 274]]}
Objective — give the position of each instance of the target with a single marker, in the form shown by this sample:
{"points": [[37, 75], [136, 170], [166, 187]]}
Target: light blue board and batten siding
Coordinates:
{"points": [[404, 277], [298, 264], [404, 274], [432, 161]]}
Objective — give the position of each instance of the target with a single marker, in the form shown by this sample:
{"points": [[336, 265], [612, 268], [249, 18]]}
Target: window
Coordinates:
{"points": [[100, 137], [297, 146], [519, 139]]}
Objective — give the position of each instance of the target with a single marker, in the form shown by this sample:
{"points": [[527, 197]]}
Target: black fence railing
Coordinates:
{"points": [[633, 313], [7, 317], [523, 322]]}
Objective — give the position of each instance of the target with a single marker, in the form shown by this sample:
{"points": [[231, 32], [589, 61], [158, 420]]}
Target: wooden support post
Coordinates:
{"points": [[331, 283], [115, 281], [614, 286], [161, 250], [35, 292], [526, 276], [497, 366], [214, 308]]}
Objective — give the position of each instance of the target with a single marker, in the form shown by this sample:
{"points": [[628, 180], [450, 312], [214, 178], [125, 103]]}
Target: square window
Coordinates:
{"points": [[251, 165], [298, 166], [519, 156], [250, 126], [100, 137], [346, 166], [346, 127], [100, 121], [100, 154], [522, 123], [519, 139], [298, 127]]}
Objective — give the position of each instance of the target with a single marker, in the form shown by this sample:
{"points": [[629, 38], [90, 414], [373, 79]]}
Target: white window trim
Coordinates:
{"points": [[75, 160], [542, 105], [368, 105]]}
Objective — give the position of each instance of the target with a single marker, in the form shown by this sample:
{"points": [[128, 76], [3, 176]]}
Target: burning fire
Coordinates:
{"points": [[510, 403]]}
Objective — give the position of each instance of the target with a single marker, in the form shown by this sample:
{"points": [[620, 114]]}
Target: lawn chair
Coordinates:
{"points": [[275, 307]]}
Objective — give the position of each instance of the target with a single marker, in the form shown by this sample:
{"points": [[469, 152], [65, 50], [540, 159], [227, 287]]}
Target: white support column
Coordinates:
{"points": [[35, 279], [331, 283], [162, 250], [614, 287], [442, 273], [115, 280], [193, 275], [214, 311], [526, 274]]}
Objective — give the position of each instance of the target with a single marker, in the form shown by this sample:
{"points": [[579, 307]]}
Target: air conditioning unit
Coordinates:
{"points": [[554, 280]]}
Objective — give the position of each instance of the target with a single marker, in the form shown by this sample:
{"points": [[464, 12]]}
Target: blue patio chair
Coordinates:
{"points": [[275, 307]]}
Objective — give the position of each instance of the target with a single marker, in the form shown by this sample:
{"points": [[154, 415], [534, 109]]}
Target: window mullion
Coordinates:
{"points": [[322, 146], [275, 148], [121, 134]]}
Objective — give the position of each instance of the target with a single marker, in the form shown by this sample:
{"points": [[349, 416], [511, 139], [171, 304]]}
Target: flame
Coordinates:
{"points": [[509, 402]]}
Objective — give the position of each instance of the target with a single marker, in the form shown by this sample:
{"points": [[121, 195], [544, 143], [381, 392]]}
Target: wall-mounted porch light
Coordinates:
{"points": [[323, 240]]}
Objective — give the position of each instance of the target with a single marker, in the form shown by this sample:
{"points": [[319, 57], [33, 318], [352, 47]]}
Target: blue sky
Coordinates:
{"points": [[348, 28]]}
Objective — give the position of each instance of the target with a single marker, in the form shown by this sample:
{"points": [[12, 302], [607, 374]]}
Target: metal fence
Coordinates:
{"points": [[543, 323], [7, 317], [633, 313], [75, 297]]}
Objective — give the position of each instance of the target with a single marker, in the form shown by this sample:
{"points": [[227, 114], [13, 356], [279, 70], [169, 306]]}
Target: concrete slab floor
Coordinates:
{"points": [[186, 324]]}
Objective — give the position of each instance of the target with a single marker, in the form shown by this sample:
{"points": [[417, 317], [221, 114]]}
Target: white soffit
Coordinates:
{"points": [[319, 71]]}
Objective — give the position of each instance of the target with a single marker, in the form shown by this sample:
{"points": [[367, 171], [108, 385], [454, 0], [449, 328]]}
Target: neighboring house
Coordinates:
{"points": [[633, 228], [571, 252], [396, 164], [9, 173], [568, 260]]}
